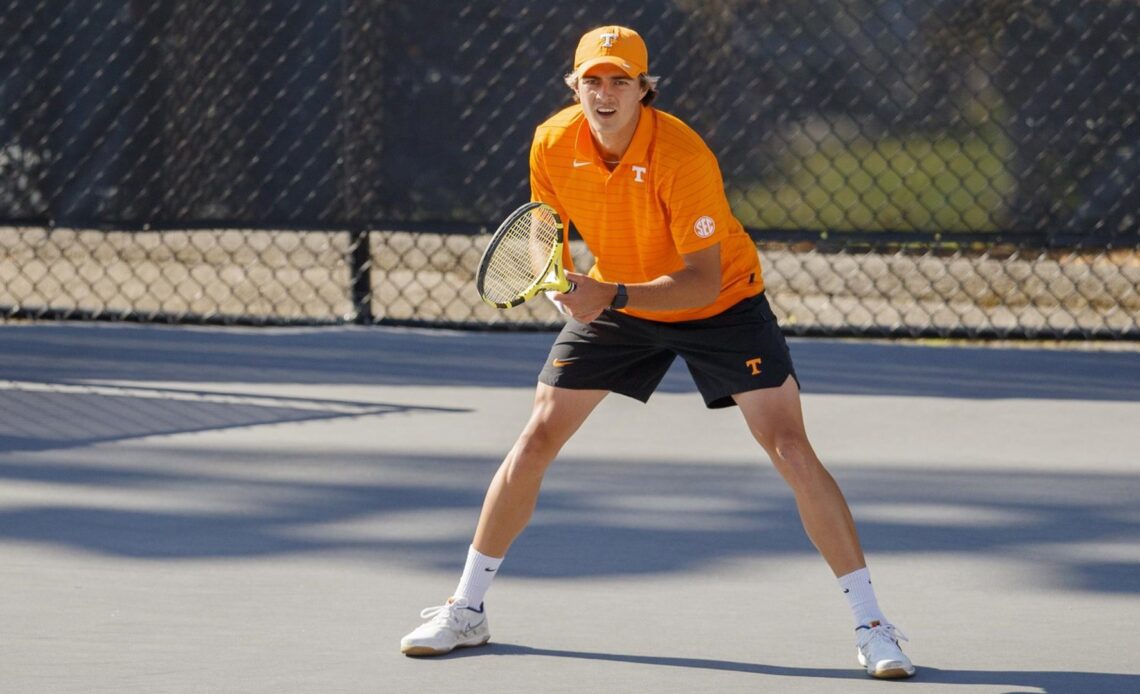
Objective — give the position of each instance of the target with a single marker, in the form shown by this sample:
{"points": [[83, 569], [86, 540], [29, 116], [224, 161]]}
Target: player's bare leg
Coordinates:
{"points": [[513, 493], [461, 621], [776, 420]]}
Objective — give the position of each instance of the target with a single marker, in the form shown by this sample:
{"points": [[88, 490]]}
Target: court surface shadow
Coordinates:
{"points": [[595, 519], [69, 352]]}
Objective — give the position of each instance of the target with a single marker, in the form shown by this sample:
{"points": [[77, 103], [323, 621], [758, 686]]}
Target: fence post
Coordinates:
{"points": [[360, 269]]}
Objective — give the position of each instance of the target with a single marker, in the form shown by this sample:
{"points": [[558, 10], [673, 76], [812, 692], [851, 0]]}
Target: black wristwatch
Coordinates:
{"points": [[621, 298]]}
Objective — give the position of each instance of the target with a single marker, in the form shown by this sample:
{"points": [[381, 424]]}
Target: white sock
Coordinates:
{"points": [[861, 597], [478, 573]]}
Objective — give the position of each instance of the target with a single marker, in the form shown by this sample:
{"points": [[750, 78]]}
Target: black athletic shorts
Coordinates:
{"points": [[738, 350]]}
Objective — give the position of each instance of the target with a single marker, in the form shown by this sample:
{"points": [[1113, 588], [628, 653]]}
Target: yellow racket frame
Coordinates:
{"points": [[551, 275]]}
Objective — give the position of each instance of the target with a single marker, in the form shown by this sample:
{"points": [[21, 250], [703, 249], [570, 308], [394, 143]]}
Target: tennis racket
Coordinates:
{"points": [[523, 258]]}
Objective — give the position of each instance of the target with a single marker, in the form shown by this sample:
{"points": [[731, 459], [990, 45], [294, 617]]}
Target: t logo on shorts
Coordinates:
{"points": [[754, 364]]}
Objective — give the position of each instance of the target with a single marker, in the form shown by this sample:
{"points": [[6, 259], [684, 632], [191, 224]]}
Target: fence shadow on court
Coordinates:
{"points": [[595, 518], [70, 352], [38, 415], [69, 386]]}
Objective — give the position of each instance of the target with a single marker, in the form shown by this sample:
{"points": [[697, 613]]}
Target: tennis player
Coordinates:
{"points": [[675, 275]]}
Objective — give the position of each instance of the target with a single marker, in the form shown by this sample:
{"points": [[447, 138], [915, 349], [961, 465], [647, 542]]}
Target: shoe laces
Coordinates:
{"points": [[445, 614], [887, 632]]}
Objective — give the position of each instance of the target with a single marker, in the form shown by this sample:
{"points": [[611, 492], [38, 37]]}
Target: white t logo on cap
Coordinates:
{"points": [[608, 40]]}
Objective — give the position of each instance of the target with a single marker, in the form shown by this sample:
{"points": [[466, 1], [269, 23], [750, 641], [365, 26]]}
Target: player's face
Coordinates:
{"points": [[611, 100]]}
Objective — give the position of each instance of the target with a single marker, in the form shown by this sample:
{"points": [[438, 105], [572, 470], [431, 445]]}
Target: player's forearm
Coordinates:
{"points": [[695, 285], [686, 288]]}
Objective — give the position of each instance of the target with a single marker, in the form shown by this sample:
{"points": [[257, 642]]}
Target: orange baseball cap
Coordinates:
{"points": [[614, 45]]}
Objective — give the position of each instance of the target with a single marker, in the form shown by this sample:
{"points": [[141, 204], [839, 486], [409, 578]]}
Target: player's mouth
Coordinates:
{"points": [[605, 111]]}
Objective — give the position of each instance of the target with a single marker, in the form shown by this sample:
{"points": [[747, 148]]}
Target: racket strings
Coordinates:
{"points": [[521, 256]]}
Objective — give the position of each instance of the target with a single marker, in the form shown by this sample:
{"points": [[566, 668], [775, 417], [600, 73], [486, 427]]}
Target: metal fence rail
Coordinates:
{"points": [[907, 167]]}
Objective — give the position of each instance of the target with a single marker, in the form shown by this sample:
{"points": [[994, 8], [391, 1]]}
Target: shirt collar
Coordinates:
{"points": [[636, 154]]}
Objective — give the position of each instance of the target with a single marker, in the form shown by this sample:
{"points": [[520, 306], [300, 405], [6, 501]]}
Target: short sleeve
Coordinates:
{"points": [[699, 213]]}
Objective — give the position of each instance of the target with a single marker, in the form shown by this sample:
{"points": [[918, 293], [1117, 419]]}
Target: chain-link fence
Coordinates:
{"points": [[908, 167]]}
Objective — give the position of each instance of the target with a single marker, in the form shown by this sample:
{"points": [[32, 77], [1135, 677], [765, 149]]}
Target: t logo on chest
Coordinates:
{"points": [[638, 173]]}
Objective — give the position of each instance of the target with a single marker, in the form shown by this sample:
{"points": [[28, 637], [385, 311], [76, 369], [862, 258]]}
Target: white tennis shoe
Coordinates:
{"points": [[451, 625], [879, 651]]}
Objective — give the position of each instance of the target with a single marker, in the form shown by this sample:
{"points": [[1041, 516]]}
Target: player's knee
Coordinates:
{"points": [[534, 450], [793, 456]]}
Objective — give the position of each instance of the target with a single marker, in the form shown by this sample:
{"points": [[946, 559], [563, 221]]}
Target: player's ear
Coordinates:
{"points": [[644, 85]]}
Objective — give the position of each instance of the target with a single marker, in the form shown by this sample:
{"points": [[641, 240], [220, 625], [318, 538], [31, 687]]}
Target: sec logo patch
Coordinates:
{"points": [[704, 227]]}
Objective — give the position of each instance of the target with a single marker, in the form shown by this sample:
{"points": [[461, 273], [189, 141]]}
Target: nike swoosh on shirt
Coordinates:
{"points": [[580, 164], [559, 363]]}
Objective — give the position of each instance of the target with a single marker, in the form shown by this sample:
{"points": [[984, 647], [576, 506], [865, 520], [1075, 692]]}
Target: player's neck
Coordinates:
{"points": [[613, 145]]}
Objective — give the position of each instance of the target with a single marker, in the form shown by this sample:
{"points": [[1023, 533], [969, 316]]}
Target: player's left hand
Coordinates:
{"points": [[589, 298]]}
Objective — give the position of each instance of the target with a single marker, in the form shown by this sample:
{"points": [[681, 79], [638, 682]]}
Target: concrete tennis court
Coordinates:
{"points": [[231, 510]]}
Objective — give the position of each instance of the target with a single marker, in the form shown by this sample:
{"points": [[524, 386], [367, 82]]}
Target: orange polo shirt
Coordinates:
{"points": [[663, 200]]}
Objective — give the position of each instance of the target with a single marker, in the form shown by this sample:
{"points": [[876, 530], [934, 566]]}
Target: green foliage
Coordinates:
{"points": [[944, 183]]}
